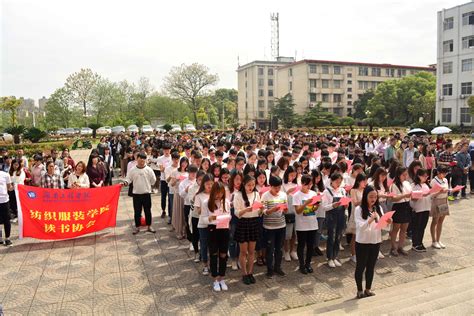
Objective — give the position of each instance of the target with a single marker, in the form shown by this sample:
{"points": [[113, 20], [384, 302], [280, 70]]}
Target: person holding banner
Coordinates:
{"points": [[5, 186], [248, 208], [79, 178], [439, 206], [143, 178], [50, 180], [215, 207], [368, 240]]}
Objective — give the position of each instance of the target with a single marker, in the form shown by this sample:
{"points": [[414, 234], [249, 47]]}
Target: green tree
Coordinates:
{"points": [[58, 109], [201, 116], [284, 110], [34, 134], [11, 104], [105, 95], [318, 116], [80, 85], [188, 83], [166, 109], [470, 103], [360, 105]]}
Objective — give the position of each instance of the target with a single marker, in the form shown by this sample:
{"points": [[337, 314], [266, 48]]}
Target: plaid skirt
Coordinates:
{"points": [[248, 229]]}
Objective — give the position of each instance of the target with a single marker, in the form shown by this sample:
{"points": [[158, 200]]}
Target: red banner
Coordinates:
{"points": [[64, 214]]}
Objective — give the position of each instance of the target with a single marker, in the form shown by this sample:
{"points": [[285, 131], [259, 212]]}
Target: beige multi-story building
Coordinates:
{"points": [[336, 84], [257, 90]]}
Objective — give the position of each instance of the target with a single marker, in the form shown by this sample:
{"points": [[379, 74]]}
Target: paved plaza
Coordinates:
{"points": [[114, 272]]}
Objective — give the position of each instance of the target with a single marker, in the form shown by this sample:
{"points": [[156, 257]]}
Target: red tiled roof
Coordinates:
{"points": [[348, 63]]}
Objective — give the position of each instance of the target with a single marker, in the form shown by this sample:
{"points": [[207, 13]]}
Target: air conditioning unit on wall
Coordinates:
{"points": [[462, 96]]}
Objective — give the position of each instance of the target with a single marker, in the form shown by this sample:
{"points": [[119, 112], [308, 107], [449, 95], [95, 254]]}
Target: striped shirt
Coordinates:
{"points": [[276, 219]]}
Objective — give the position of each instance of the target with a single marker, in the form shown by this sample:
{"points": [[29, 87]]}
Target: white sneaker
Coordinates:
{"points": [[353, 259], [381, 256], [294, 255], [191, 248], [436, 245], [287, 257], [331, 264], [155, 191], [223, 285], [196, 258], [337, 263], [441, 245], [341, 248], [234, 265], [205, 271], [216, 286]]}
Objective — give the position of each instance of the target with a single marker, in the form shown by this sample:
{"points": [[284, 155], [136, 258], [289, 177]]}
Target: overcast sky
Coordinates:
{"points": [[43, 41]]}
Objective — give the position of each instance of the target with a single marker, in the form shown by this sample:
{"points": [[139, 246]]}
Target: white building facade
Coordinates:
{"points": [[455, 65]]}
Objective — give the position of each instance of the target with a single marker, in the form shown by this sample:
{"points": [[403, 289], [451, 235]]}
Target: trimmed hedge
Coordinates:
{"points": [[30, 149]]}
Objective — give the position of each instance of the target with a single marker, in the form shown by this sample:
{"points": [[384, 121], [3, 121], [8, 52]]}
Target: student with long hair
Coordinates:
{"points": [[191, 194], [215, 206], [202, 195], [356, 197], [248, 228], [178, 176], [368, 240], [421, 208], [235, 184], [289, 187], [318, 187], [401, 205], [306, 223], [439, 207]]}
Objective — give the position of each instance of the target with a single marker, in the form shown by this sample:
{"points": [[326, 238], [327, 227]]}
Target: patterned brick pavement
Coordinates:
{"points": [[114, 272]]}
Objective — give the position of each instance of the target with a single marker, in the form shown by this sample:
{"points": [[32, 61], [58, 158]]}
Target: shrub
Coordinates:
{"points": [[34, 134]]}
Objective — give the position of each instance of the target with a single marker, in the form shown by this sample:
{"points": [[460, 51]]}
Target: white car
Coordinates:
{"points": [[147, 129], [62, 131], [132, 129], [118, 129], [104, 130], [69, 131], [175, 128], [86, 131], [159, 128], [5, 137], [189, 128]]}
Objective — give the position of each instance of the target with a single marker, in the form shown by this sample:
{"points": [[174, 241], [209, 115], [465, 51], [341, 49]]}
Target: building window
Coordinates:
{"points": [[261, 103], [349, 75], [390, 72], [349, 103], [325, 97], [270, 93], [260, 92], [270, 104], [312, 83], [337, 70], [349, 89], [260, 82], [448, 46], [468, 18], [465, 115], [349, 81], [448, 89], [448, 24], [337, 98], [363, 85], [468, 42], [270, 82], [363, 71], [466, 65], [312, 97], [349, 111], [290, 72], [312, 69], [337, 84], [261, 114], [448, 67], [260, 71], [291, 85], [376, 72], [349, 96], [270, 71], [466, 88], [446, 115], [325, 83], [325, 69]]}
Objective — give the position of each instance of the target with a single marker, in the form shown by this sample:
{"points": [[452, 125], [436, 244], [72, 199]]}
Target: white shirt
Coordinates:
{"points": [[182, 190], [327, 200], [443, 183], [239, 204], [306, 220], [142, 179], [205, 212], [16, 180], [165, 162], [4, 181], [198, 203], [366, 233], [406, 188], [82, 180], [168, 172], [423, 204]]}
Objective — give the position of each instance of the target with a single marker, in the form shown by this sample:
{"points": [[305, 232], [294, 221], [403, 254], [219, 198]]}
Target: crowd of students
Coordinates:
{"points": [[264, 197]]}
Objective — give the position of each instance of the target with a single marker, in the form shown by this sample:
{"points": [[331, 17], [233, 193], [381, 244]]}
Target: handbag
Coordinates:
{"points": [[443, 209]]}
